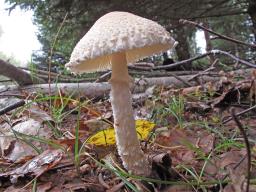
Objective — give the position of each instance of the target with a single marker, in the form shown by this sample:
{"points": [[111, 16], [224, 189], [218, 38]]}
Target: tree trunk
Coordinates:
{"points": [[182, 48], [252, 13], [208, 41]]}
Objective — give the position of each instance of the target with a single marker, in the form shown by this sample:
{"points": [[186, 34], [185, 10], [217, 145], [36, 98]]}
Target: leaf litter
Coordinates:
{"points": [[38, 143]]}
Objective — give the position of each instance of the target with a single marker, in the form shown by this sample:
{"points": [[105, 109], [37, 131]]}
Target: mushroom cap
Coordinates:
{"points": [[117, 32]]}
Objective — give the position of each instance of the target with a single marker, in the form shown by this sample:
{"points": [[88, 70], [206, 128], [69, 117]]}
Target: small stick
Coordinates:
{"points": [[212, 52], [12, 95], [212, 67], [182, 80], [102, 182], [181, 62], [103, 77], [184, 21], [240, 113], [247, 145], [11, 107]]}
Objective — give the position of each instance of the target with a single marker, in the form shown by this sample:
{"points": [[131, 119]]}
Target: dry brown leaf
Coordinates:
{"points": [[15, 189], [238, 181], [232, 158], [178, 188], [14, 149], [36, 166], [198, 107], [44, 187]]}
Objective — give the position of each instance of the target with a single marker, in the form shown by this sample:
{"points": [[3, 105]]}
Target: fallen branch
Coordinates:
{"points": [[16, 74], [103, 77], [212, 67], [184, 21], [239, 114], [12, 106], [96, 90], [212, 52]]}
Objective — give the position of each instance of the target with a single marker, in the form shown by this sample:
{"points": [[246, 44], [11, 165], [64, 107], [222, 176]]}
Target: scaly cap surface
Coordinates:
{"points": [[116, 32]]}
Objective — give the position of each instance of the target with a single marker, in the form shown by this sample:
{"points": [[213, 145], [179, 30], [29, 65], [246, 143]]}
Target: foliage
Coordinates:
{"points": [[174, 107]]}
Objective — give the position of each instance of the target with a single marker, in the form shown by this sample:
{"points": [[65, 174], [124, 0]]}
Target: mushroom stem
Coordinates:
{"points": [[128, 145]]}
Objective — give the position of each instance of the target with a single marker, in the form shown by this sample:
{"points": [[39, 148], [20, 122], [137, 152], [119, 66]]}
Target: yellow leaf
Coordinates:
{"points": [[107, 136]]}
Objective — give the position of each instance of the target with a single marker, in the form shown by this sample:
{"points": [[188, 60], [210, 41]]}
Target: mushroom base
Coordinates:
{"points": [[128, 145]]}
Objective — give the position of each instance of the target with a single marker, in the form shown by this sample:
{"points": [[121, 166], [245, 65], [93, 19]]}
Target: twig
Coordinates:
{"points": [[12, 95], [239, 114], [39, 71], [182, 80], [182, 62], [214, 52], [12, 106], [102, 182], [234, 57], [212, 67], [4, 81], [184, 21], [247, 145], [103, 77], [65, 80], [138, 68]]}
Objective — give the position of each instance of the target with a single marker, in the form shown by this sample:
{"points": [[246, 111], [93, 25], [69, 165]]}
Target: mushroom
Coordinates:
{"points": [[115, 40]]}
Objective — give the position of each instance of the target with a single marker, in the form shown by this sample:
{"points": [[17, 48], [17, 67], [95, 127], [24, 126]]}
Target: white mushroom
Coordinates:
{"points": [[115, 40]]}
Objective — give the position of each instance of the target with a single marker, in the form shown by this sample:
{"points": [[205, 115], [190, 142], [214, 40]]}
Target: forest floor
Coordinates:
{"points": [[58, 143]]}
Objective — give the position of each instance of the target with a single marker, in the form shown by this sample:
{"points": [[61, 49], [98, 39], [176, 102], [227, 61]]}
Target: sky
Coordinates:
{"points": [[201, 41], [19, 34]]}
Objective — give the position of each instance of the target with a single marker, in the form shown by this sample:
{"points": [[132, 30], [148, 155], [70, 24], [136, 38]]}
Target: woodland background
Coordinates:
{"points": [[198, 113], [234, 18]]}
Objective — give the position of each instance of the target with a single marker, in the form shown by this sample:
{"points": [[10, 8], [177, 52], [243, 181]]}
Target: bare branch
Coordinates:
{"points": [[212, 52], [12, 106], [183, 21], [16, 74]]}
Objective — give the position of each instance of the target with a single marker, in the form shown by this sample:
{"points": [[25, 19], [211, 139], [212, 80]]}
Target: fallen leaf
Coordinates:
{"points": [[34, 112], [198, 107], [232, 158], [14, 149], [107, 136], [238, 181], [36, 166]]}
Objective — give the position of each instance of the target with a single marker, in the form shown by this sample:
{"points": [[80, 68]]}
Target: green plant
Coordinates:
{"points": [[174, 107]]}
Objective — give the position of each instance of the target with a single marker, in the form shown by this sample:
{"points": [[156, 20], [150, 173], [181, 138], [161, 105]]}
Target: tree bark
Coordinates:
{"points": [[14, 73], [182, 49], [208, 41], [99, 90], [252, 12]]}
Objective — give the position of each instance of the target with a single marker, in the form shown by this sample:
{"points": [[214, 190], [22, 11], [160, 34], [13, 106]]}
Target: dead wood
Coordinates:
{"points": [[99, 90], [95, 90], [16, 74], [12, 106], [224, 37]]}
